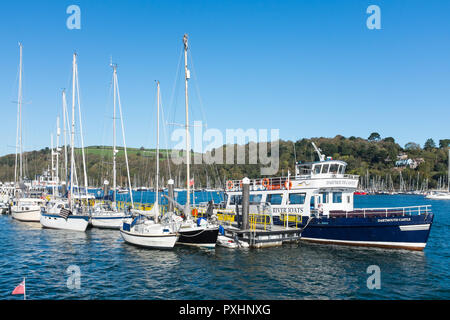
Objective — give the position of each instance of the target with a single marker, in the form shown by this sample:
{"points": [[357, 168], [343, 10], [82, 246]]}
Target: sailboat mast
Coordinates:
{"points": [[72, 138], [19, 123], [157, 147], [58, 133], [114, 135], [65, 132], [188, 148]]}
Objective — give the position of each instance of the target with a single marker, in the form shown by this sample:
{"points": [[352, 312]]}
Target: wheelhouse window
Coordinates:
{"points": [[255, 198], [324, 197], [325, 168], [317, 168], [334, 168], [341, 169], [337, 197], [297, 198], [274, 198]]}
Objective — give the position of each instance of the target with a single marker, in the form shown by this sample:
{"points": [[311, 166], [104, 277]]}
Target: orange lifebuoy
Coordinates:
{"points": [[230, 184], [265, 182], [194, 212], [287, 185]]}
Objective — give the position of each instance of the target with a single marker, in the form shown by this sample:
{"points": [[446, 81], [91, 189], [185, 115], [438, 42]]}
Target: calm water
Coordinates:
{"points": [[112, 269]]}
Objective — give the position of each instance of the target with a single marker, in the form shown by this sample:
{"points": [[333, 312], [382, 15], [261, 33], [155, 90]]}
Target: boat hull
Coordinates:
{"points": [[75, 223], [199, 237], [26, 216], [162, 241], [108, 222], [404, 232]]}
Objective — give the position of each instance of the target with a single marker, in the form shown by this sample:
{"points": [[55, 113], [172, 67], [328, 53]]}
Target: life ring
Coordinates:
{"points": [[265, 182], [230, 184], [287, 185]]}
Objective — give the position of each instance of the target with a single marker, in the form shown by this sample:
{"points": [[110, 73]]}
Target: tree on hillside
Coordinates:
{"points": [[444, 143], [412, 146], [389, 139], [429, 144], [374, 136]]}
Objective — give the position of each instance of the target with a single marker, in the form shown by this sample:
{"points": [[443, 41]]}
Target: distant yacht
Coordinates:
{"points": [[442, 195]]}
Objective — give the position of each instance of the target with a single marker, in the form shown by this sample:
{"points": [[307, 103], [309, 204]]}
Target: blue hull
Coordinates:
{"points": [[408, 232]]}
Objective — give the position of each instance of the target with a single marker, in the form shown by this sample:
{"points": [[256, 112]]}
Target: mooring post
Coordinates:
{"points": [[245, 202], [170, 194]]}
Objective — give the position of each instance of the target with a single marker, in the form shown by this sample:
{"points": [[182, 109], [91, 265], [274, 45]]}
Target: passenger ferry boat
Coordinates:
{"points": [[319, 198]]}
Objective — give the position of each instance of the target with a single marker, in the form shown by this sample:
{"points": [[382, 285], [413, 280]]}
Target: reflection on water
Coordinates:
{"points": [[113, 269]]}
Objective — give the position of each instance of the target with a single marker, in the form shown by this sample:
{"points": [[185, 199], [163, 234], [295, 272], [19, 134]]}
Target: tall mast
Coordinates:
{"points": [[188, 148], [19, 124], [114, 134], [72, 138], [157, 148], [448, 180], [65, 133], [58, 133]]}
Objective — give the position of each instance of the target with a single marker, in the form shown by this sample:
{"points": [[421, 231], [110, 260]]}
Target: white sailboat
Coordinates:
{"points": [[24, 209], [107, 215], [442, 195], [66, 214], [146, 230]]}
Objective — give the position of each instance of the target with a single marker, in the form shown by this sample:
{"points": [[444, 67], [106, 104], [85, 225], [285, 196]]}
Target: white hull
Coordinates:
{"points": [[26, 216], [230, 243], [108, 221], [150, 241], [75, 223], [439, 196]]}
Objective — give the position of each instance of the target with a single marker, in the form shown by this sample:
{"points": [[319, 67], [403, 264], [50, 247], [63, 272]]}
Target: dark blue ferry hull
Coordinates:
{"points": [[406, 232]]}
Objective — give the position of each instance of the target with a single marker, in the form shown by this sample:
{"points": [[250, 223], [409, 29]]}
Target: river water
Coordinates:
{"points": [[112, 269]]}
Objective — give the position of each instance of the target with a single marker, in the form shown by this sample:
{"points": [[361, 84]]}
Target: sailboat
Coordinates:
{"points": [[200, 233], [442, 195], [107, 215], [66, 214], [147, 230], [24, 209]]}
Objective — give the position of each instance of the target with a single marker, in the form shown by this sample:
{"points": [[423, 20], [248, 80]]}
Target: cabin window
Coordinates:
{"points": [[324, 197], [297, 198], [317, 169], [337, 197], [236, 199], [325, 168], [255, 198], [305, 170], [341, 169], [334, 168], [274, 198], [348, 199]]}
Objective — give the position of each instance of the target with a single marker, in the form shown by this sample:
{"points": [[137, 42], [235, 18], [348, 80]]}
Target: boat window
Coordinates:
{"points": [[337, 197], [325, 168], [348, 199], [324, 197], [341, 169], [236, 199], [274, 198], [317, 168], [297, 198], [333, 168], [255, 198]]}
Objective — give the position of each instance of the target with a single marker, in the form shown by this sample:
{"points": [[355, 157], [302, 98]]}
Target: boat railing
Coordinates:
{"points": [[281, 183], [383, 212]]}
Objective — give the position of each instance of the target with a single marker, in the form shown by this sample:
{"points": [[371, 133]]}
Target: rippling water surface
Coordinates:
{"points": [[112, 269]]}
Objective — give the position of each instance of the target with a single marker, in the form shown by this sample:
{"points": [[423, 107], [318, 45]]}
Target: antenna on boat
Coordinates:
{"points": [[321, 156]]}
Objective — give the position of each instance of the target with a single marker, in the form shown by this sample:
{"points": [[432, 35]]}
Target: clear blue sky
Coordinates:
{"points": [[308, 68]]}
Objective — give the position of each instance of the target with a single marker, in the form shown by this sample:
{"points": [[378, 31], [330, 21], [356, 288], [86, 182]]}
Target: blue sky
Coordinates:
{"points": [[308, 68]]}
